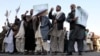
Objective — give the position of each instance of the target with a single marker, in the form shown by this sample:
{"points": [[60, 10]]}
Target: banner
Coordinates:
{"points": [[7, 14], [17, 10], [39, 8]]}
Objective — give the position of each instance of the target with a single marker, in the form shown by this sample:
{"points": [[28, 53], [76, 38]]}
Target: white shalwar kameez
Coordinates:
{"points": [[8, 41]]}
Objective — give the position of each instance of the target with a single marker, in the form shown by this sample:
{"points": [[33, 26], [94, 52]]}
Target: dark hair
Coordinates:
{"points": [[17, 21], [59, 6], [23, 17]]}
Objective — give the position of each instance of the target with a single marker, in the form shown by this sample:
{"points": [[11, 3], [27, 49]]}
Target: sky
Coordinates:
{"points": [[92, 7]]}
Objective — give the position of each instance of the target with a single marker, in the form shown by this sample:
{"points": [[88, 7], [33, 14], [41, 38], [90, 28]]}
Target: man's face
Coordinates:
{"points": [[58, 8], [87, 30], [72, 7], [31, 12], [28, 18]]}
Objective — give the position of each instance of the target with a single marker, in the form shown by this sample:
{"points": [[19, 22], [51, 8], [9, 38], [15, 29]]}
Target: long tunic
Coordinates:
{"points": [[8, 40], [45, 24], [44, 27], [29, 36], [39, 40], [57, 37], [20, 39], [2, 35]]}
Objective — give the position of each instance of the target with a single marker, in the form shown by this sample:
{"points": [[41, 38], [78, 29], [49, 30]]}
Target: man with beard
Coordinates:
{"points": [[57, 38], [29, 33], [78, 31]]}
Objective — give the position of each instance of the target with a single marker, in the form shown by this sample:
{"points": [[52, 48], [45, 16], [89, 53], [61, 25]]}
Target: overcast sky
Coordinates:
{"points": [[91, 6]]}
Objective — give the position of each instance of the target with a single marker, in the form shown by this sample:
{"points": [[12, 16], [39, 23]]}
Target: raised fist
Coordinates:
{"points": [[7, 19], [52, 9], [26, 12]]}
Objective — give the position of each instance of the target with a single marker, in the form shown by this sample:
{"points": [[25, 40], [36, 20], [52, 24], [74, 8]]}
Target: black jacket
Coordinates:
{"points": [[60, 20], [71, 15]]}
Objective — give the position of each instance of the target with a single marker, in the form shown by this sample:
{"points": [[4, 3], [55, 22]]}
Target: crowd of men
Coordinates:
{"points": [[37, 35]]}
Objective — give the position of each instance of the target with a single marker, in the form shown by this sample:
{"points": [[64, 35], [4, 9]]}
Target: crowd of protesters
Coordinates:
{"points": [[38, 35]]}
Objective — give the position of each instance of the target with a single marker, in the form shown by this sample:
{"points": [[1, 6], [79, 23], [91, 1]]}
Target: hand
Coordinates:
{"points": [[20, 38], [55, 21], [26, 12], [7, 19], [38, 16], [31, 12], [5, 23], [52, 9], [74, 19]]}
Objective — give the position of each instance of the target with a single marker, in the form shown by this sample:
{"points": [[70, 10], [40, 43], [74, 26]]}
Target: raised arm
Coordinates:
{"points": [[8, 24], [50, 14]]}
